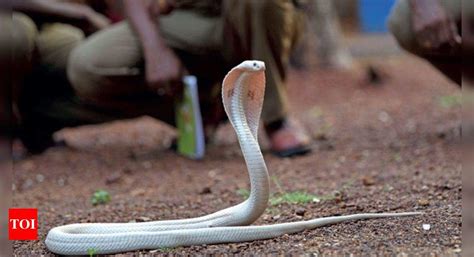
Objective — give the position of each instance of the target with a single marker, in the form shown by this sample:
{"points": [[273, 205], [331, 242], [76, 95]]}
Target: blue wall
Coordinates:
{"points": [[373, 15]]}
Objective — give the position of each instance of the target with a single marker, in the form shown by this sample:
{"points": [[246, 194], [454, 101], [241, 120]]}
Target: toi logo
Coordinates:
{"points": [[22, 224]]}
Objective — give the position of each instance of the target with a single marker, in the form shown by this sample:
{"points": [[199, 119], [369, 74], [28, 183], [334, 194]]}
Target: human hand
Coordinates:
{"points": [[163, 72], [433, 27], [161, 7]]}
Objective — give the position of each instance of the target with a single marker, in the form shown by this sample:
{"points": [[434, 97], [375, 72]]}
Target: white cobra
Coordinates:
{"points": [[242, 94]]}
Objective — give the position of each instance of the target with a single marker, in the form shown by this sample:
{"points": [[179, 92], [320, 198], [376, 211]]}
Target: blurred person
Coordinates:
{"points": [[431, 29], [331, 50], [324, 31], [134, 67], [39, 36]]}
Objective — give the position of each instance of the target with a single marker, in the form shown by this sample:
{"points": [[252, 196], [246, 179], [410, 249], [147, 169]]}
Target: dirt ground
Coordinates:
{"points": [[392, 146]]}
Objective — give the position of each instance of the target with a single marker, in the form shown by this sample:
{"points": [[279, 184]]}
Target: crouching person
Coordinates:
{"points": [[134, 67]]}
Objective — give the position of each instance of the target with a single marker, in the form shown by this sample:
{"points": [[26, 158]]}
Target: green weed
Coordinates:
{"points": [[450, 101], [245, 193], [100, 197], [166, 249], [91, 252], [296, 197]]}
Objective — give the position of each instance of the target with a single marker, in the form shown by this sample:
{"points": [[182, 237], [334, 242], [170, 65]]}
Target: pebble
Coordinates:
{"points": [[338, 196], [142, 219], [138, 192], [300, 211], [276, 217], [28, 183], [426, 227], [212, 173], [61, 182], [423, 202], [384, 117], [113, 178], [39, 178], [368, 181], [298, 217]]}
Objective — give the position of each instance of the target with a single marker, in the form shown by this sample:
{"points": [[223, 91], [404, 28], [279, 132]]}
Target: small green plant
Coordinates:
{"points": [[100, 197], [245, 193], [296, 197], [449, 101], [166, 249], [272, 211], [91, 252]]}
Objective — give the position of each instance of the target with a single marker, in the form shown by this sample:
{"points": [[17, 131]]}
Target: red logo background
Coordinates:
{"points": [[26, 223]]}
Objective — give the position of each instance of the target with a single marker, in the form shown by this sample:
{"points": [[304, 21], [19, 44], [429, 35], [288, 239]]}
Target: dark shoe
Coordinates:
{"points": [[287, 139]]}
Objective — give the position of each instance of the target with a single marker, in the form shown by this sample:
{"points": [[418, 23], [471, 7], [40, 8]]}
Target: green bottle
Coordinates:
{"points": [[189, 121]]}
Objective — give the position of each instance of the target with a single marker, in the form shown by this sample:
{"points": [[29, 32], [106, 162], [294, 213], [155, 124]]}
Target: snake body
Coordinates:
{"points": [[242, 94]]}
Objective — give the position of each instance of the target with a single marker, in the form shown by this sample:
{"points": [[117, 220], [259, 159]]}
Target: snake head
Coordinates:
{"points": [[252, 65]]}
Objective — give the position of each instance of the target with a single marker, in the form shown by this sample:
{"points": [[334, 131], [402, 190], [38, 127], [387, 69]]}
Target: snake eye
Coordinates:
{"points": [[254, 64]]}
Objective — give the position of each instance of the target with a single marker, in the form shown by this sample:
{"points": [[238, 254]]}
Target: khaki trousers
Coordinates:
{"points": [[26, 44], [107, 69]]}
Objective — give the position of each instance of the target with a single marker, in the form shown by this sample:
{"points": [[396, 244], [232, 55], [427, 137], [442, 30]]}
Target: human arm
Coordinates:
{"points": [[79, 15], [161, 63]]}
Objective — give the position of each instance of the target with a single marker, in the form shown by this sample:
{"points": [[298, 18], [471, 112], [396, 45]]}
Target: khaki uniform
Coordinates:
{"points": [[50, 45], [26, 47], [107, 69]]}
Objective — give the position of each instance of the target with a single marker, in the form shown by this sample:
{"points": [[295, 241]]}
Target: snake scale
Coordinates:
{"points": [[242, 94]]}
